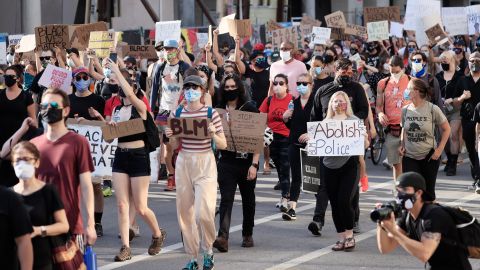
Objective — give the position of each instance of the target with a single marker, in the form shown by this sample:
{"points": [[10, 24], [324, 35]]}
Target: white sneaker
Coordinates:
{"points": [[282, 204], [136, 230]]}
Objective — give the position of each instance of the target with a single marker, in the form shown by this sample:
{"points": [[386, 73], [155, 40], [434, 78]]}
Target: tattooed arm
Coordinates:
{"points": [[423, 249]]}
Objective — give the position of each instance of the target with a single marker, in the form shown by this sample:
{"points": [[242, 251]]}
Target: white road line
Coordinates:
{"points": [[326, 250], [168, 249]]}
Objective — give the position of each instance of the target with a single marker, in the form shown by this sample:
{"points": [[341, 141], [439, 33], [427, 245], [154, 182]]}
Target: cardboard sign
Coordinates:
{"points": [[3, 48], [356, 30], [123, 129], [27, 44], [14, 40], [80, 34], [375, 14], [473, 19], [310, 172], [101, 42], [321, 35], [241, 28], [307, 20], [142, 51], [338, 34], [195, 128], [415, 10], [455, 20], [223, 26], [244, 131], [336, 19], [396, 29], [336, 138], [56, 77], [377, 31], [436, 35], [167, 30], [52, 35], [292, 34]]}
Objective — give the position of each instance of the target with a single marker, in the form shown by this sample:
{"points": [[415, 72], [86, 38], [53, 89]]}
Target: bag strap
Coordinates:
{"points": [[384, 88], [209, 112], [269, 100]]}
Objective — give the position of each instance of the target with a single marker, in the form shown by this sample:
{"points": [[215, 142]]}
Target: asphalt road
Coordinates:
{"points": [[280, 244]]}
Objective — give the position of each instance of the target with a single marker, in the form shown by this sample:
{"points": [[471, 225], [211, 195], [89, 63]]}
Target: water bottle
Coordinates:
{"points": [[290, 105], [90, 258]]}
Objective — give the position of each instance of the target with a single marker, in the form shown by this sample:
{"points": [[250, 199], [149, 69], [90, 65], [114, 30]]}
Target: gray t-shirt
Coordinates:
{"points": [[419, 126], [337, 161]]}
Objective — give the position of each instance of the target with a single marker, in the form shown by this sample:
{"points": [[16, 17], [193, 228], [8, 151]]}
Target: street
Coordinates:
{"points": [[280, 244]]}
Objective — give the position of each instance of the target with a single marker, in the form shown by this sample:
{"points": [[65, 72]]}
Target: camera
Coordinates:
{"points": [[383, 212]]}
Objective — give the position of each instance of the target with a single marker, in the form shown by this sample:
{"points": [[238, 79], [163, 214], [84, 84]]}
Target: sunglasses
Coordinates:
{"points": [[45, 58], [10, 77], [277, 83], [417, 60], [303, 83], [53, 104], [158, 49], [84, 77], [194, 86], [27, 159]]}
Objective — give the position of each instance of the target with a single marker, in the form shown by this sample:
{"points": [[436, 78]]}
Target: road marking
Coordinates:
{"points": [[171, 248], [326, 250]]}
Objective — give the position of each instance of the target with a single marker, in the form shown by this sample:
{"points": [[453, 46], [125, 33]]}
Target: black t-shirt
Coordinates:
{"points": [[14, 222], [260, 84], [80, 105], [36, 88], [12, 113], [317, 83], [433, 218], [468, 106], [447, 89], [43, 204]]}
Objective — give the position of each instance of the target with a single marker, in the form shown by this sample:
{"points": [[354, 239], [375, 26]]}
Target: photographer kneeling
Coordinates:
{"points": [[419, 229]]}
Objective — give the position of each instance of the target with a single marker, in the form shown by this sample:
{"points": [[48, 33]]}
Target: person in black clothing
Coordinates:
{"points": [[356, 93], [296, 120], [236, 168], [320, 71], [468, 92], [259, 74], [459, 49], [46, 57], [421, 228]]}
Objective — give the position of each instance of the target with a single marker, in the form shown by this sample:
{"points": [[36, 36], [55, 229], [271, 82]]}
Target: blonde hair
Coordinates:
{"points": [[449, 55], [331, 112], [306, 75]]}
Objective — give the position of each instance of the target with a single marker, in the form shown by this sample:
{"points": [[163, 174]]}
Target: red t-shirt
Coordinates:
{"points": [[114, 101], [275, 113], [61, 163]]}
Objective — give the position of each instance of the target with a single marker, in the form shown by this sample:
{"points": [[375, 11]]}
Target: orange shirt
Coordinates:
{"points": [[393, 99]]}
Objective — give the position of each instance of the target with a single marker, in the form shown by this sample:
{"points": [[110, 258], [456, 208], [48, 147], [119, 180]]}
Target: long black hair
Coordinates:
{"points": [[241, 91]]}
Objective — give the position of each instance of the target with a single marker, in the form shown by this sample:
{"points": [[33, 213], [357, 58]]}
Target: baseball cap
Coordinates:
{"points": [[193, 79], [170, 43], [159, 44], [415, 180], [259, 47], [80, 70]]}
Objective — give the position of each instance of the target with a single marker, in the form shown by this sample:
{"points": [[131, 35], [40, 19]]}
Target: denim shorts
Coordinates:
{"points": [[135, 162]]}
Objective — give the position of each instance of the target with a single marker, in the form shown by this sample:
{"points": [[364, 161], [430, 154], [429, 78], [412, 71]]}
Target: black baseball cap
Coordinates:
{"points": [[415, 180]]}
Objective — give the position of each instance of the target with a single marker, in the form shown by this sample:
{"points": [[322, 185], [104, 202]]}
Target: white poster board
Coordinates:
{"points": [[202, 40], [223, 25], [3, 49], [27, 44], [167, 30], [377, 31], [336, 138], [416, 9], [396, 29], [321, 35], [455, 20], [57, 77], [14, 39], [473, 19]]}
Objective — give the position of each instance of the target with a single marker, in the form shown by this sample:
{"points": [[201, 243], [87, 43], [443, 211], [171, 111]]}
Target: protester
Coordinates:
{"points": [[43, 59], [407, 53], [420, 70], [418, 146], [196, 174], [461, 55], [259, 74], [46, 208], [320, 71], [236, 168]]}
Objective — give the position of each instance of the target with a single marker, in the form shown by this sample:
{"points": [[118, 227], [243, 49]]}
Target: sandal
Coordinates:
{"points": [[339, 246], [349, 244]]}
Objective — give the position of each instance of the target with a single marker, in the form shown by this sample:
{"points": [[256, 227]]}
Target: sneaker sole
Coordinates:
{"points": [[477, 190], [287, 217], [314, 229], [118, 260], [283, 209]]}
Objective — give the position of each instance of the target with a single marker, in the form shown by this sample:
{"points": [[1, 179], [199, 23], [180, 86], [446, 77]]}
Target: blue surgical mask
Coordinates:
{"points": [[107, 72], [318, 70], [410, 50], [82, 85], [267, 52], [302, 89], [192, 95], [27, 80], [406, 94]]}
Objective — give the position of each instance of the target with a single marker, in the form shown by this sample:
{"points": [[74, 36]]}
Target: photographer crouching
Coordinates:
{"points": [[420, 227]]}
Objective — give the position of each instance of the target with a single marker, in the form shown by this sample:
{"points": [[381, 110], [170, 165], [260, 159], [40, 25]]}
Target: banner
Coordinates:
{"points": [[377, 31], [473, 19], [356, 30], [195, 128], [336, 19], [244, 131], [57, 77], [310, 172], [336, 138], [396, 29], [375, 14], [321, 35], [52, 35], [455, 20], [101, 42], [27, 44], [3, 48], [167, 30], [123, 129], [80, 34]]}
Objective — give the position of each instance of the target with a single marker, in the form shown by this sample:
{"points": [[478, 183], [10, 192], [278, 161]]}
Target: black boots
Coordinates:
{"points": [[451, 169]]}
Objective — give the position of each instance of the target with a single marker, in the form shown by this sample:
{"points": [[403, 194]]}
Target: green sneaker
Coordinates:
{"points": [[107, 191], [191, 265], [208, 262]]}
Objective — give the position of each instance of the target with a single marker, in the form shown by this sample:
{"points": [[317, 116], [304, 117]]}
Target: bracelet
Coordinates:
{"points": [[255, 165]]}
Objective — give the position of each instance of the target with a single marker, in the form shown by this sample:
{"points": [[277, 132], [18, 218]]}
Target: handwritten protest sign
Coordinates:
{"points": [[455, 20], [377, 31], [13, 40], [356, 30], [307, 20], [338, 34], [101, 42], [196, 128], [123, 129], [80, 34], [167, 30], [396, 29], [321, 35], [56, 77], [202, 39], [3, 48], [310, 172], [27, 44], [142, 51], [244, 131], [52, 35], [473, 19], [336, 138], [241, 28], [336, 19], [413, 18], [436, 35], [292, 34], [375, 14]]}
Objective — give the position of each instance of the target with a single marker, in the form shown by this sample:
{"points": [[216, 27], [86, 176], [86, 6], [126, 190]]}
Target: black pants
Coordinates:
{"points": [[322, 198], [427, 168], [340, 187], [229, 176], [468, 134], [279, 155], [296, 168]]}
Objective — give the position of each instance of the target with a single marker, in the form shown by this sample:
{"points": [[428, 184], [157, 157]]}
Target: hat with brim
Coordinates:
{"points": [[193, 79], [80, 70], [415, 180]]}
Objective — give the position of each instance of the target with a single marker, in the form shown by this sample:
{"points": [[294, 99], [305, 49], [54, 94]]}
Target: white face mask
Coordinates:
{"points": [[417, 66], [160, 54], [70, 63], [285, 55], [24, 170]]}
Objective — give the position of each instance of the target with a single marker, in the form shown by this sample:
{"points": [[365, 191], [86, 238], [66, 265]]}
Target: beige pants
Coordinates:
{"points": [[196, 180]]}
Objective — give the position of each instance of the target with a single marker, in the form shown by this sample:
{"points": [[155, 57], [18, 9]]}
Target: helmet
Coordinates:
{"points": [[268, 136]]}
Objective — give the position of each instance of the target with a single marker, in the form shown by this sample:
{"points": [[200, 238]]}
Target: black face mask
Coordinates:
{"points": [[261, 62], [344, 80], [406, 200], [445, 67], [112, 88], [353, 51], [231, 95], [52, 115], [9, 81]]}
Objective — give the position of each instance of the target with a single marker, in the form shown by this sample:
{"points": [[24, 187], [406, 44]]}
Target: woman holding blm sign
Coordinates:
{"points": [[131, 168]]}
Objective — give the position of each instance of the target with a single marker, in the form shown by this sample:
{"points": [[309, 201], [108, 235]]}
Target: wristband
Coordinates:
{"points": [[255, 165]]}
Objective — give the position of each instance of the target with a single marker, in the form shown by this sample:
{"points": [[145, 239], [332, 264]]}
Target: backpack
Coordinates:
{"points": [[178, 112], [467, 226], [151, 137]]}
